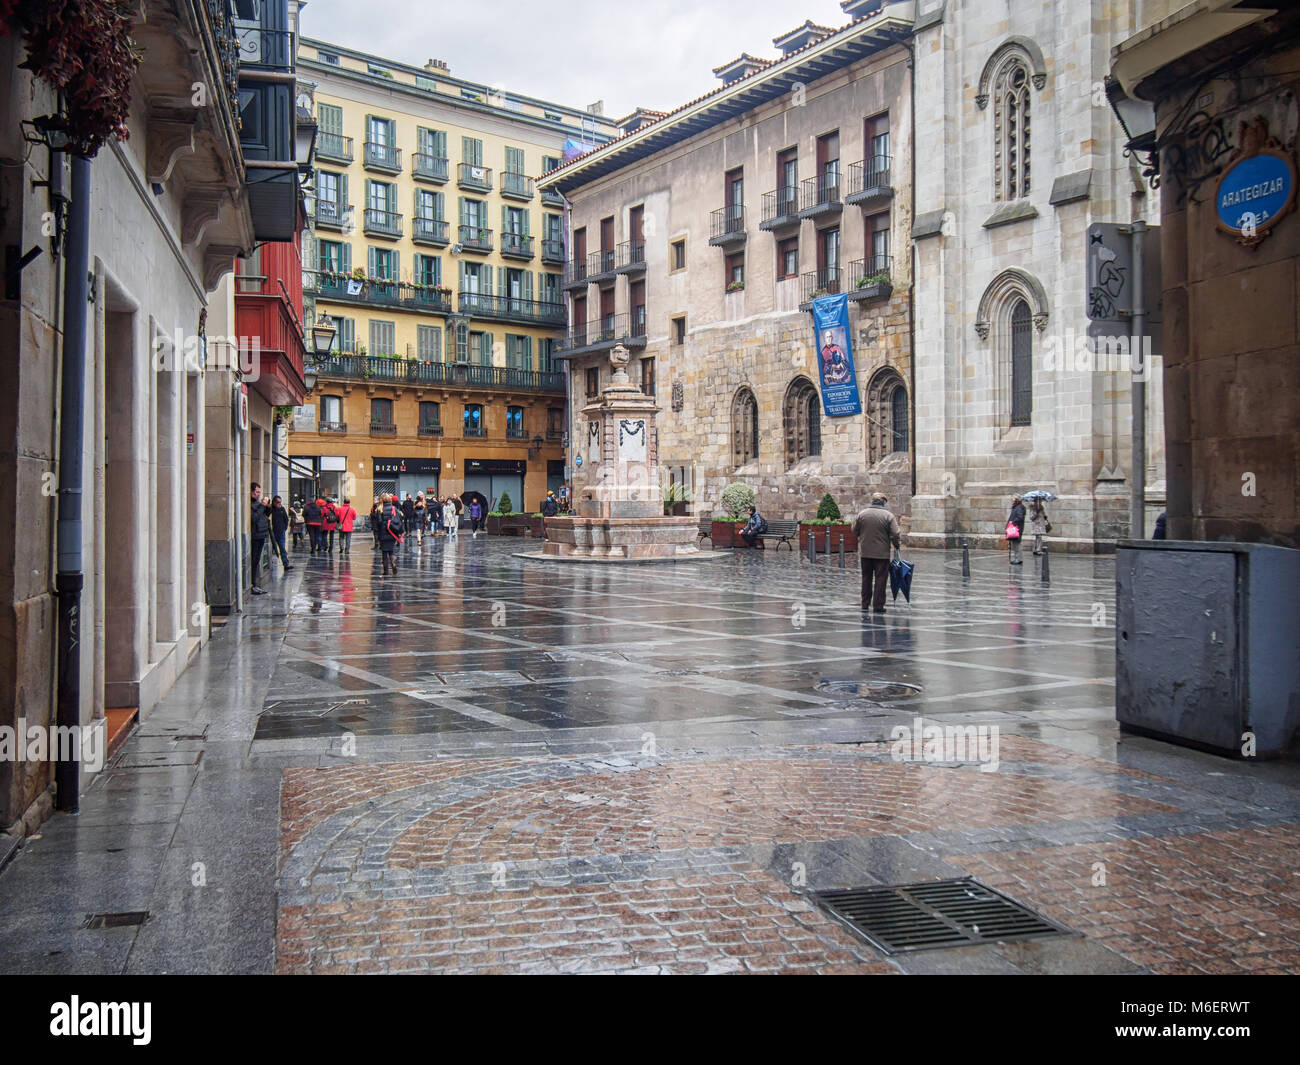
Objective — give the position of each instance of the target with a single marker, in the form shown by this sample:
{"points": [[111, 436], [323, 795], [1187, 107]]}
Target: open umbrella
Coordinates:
{"points": [[1038, 493], [900, 578]]}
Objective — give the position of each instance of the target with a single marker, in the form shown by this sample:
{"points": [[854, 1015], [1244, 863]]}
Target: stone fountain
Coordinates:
{"points": [[618, 510]]}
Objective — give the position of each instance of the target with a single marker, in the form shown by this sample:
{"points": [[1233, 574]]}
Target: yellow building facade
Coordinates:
{"points": [[438, 265]]}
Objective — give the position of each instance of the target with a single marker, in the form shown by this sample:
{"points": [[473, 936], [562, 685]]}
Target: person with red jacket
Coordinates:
{"points": [[347, 517], [328, 523], [311, 516]]}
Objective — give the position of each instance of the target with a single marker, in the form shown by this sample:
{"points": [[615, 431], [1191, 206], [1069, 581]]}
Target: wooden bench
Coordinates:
{"points": [[782, 532]]}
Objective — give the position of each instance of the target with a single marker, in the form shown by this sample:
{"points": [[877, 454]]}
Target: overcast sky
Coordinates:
{"points": [[644, 53]]}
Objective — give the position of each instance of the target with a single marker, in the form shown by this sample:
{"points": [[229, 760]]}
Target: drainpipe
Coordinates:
{"points": [[911, 289], [71, 415]]}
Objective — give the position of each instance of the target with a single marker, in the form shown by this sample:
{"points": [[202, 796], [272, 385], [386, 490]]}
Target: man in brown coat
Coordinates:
{"points": [[876, 529]]}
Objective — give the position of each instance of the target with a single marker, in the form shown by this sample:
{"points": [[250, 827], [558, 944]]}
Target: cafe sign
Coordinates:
{"points": [[1255, 191]]}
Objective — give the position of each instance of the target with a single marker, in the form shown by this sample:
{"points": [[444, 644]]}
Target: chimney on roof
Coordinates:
{"points": [[857, 9], [801, 37], [738, 68], [434, 66]]}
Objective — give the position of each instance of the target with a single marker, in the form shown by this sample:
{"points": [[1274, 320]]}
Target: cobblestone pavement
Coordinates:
{"points": [[493, 765]]}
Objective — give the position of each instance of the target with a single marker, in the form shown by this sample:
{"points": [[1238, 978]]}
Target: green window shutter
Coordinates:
{"points": [[438, 206], [330, 118], [343, 190], [489, 347], [370, 262], [528, 285], [397, 266], [525, 225], [345, 259], [464, 211], [463, 287], [505, 222], [515, 160]]}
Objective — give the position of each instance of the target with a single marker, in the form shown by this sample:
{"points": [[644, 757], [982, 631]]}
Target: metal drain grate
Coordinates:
{"points": [[116, 920], [865, 689], [935, 915]]}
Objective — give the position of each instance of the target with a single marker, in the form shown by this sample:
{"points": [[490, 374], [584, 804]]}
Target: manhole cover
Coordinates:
{"points": [[868, 689], [116, 920], [935, 915]]}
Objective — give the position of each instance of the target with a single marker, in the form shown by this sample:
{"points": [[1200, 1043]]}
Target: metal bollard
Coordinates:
{"points": [[1046, 578], [841, 550], [965, 558], [812, 546]]}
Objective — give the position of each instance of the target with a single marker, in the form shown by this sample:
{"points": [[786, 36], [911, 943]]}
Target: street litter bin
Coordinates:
{"points": [[1207, 644]]}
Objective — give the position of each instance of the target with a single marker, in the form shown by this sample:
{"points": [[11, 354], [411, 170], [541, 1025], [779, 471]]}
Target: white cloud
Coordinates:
{"points": [[655, 53]]}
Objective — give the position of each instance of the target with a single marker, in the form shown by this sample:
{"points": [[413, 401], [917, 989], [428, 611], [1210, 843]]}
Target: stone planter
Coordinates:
{"points": [[726, 534], [675, 510], [827, 537], [537, 527]]}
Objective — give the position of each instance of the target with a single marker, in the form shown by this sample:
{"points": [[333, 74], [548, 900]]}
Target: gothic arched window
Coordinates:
{"points": [[1022, 361], [1011, 129], [887, 415], [803, 421], [744, 427]]}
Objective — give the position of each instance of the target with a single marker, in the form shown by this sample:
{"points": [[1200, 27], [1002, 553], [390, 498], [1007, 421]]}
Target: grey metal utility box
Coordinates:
{"points": [[1207, 643]]}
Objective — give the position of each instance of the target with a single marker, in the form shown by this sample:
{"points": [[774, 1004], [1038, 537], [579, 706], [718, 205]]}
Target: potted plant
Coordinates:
{"points": [[537, 524], [736, 286], [674, 500], [492, 520], [737, 498], [875, 285], [827, 528]]}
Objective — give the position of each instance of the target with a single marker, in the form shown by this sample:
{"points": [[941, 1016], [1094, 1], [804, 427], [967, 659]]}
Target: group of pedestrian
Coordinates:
{"points": [[434, 516], [268, 525], [322, 518], [1039, 527]]}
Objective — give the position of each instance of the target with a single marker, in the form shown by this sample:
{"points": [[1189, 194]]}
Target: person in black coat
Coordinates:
{"points": [[1161, 531], [259, 532], [408, 511], [390, 529], [311, 516], [279, 526], [1017, 519]]}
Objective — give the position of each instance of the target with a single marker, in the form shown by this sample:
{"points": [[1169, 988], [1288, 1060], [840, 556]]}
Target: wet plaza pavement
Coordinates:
{"points": [[488, 764]]}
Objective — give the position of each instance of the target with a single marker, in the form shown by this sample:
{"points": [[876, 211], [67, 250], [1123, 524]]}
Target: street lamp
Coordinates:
{"points": [[322, 336], [536, 448], [1138, 120]]}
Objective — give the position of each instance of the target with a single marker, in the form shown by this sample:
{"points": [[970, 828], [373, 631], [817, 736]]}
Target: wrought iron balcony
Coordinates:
{"points": [[516, 245], [516, 186], [429, 168], [553, 251], [400, 295], [575, 274], [870, 278], [510, 309], [333, 147], [601, 265], [430, 429], [382, 223], [780, 209], [602, 334], [475, 238], [630, 258], [332, 427], [383, 157], [264, 49], [474, 432], [516, 432], [828, 282], [458, 374], [383, 428], [554, 436], [551, 198], [869, 182], [330, 214], [430, 231], [475, 178], [727, 225], [820, 195]]}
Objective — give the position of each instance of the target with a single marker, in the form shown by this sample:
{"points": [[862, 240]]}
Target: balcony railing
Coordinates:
{"points": [[475, 238], [516, 186], [478, 432], [430, 429], [517, 245], [265, 49], [575, 274], [461, 375], [552, 251], [477, 178], [429, 167], [551, 198], [378, 428], [510, 309], [333, 147], [401, 295], [430, 231], [332, 427], [630, 258], [516, 432], [780, 208], [332, 214], [605, 332], [554, 436], [869, 181], [382, 223], [727, 225], [871, 278], [600, 264], [383, 157], [827, 282], [820, 195]]}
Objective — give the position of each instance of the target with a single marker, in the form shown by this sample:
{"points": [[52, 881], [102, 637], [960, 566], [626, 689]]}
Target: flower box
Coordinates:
{"points": [[726, 533], [827, 537]]}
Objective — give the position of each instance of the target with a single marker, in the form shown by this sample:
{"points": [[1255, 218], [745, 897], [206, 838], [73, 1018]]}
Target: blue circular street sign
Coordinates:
{"points": [[577, 460], [1254, 193]]}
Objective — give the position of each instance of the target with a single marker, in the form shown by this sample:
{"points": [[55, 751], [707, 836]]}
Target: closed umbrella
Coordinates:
{"points": [[900, 577]]}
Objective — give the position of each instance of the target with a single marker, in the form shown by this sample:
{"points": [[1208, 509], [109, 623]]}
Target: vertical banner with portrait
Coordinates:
{"points": [[835, 356]]}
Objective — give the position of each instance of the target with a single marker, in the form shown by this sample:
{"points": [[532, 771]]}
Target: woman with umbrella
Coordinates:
{"points": [[1039, 526]]}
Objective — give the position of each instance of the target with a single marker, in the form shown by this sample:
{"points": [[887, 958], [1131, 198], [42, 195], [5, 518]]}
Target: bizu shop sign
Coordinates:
{"points": [[1254, 193]]}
